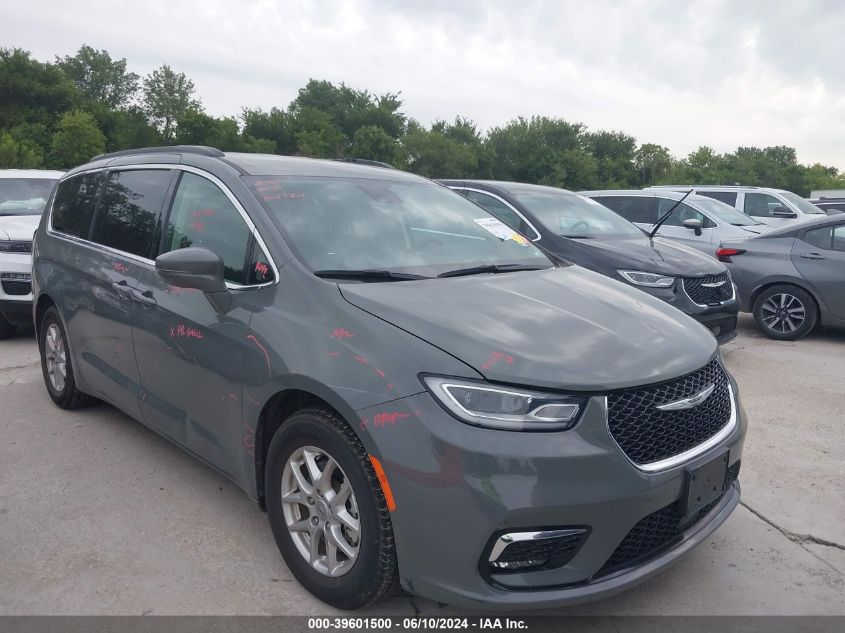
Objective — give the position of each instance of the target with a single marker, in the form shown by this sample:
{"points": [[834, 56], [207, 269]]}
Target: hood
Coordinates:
{"points": [[18, 227], [657, 255], [562, 328]]}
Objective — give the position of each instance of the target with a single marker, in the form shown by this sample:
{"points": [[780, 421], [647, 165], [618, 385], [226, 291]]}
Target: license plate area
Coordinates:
{"points": [[704, 484]]}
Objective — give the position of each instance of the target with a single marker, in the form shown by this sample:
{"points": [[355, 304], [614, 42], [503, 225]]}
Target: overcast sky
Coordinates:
{"points": [[682, 74]]}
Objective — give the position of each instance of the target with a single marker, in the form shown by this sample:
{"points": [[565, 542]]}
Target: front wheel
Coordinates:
{"points": [[785, 312], [328, 512]]}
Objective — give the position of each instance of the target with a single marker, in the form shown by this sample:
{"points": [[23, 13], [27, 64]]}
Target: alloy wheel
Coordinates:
{"points": [[783, 313], [320, 511], [55, 357]]}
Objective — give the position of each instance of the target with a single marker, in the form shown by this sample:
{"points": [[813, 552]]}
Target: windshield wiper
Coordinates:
{"points": [[666, 215], [491, 268], [381, 275]]}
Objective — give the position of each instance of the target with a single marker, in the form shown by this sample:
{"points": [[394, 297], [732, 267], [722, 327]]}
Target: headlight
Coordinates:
{"points": [[651, 280], [15, 247], [505, 408]]}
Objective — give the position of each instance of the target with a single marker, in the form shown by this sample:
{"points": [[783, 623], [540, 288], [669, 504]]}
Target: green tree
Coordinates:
{"points": [[433, 154], [19, 154], [168, 95], [653, 163], [76, 139], [99, 78], [30, 91], [373, 143], [274, 126], [614, 153], [315, 134]]}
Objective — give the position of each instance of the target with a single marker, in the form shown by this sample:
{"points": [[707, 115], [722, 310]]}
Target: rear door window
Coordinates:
{"points": [[73, 207], [632, 208], [820, 238], [129, 213], [839, 238], [728, 197], [203, 216], [761, 205]]}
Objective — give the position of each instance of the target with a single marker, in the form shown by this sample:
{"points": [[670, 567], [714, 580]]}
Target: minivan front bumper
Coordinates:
{"points": [[720, 319], [457, 487]]}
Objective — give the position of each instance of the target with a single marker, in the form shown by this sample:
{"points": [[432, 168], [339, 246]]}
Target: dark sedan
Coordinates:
{"points": [[793, 278], [586, 233]]}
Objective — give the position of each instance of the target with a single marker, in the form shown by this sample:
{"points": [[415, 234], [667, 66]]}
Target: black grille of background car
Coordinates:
{"points": [[16, 288], [647, 434], [542, 553], [658, 531], [702, 295], [17, 247], [722, 326]]}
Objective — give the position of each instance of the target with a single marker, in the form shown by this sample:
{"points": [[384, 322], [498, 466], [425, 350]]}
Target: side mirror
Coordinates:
{"points": [[694, 224], [783, 212], [197, 268]]}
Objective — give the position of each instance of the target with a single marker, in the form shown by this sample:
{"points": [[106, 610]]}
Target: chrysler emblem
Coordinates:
{"points": [[688, 403], [715, 284]]}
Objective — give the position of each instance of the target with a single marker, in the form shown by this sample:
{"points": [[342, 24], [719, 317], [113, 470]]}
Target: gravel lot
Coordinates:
{"points": [[100, 516]]}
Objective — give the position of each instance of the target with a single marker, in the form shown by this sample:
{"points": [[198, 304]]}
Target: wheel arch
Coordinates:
{"points": [[789, 281], [41, 306], [278, 409]]}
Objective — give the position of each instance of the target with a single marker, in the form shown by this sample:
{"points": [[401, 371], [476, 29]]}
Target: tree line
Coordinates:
{"points": [[59, 114]]}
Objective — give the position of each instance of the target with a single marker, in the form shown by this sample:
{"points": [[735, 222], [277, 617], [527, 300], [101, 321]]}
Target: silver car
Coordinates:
{"points": [[698, 221], [791, 279], [775, 207]]}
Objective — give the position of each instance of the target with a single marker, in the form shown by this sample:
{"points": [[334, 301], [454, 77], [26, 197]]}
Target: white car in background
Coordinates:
{"points": [[23, 196], [775, 207]]}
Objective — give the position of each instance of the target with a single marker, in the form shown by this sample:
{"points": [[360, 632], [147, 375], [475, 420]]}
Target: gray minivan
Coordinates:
{"points": [[416, 394]]}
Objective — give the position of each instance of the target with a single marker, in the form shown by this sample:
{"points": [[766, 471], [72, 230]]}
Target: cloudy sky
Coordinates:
{"points": [[682, 74]]}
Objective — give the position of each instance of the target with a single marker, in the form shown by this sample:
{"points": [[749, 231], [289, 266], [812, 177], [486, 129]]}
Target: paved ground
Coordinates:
{"points": [[100, 516]]}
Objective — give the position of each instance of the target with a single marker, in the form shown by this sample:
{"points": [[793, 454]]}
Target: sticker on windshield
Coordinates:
{"points": [[500, 230]]}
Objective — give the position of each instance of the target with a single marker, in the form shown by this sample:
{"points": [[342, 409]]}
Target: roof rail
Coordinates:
{"points": [[201, 150], [365, 161], [706, 186]]}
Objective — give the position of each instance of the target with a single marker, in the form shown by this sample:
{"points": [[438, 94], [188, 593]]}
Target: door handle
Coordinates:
{"points": [[812, 256], [122, 289], [145, 298]]}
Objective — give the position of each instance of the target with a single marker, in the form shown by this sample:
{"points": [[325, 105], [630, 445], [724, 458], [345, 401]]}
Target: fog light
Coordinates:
{"points": [[532, 551]]}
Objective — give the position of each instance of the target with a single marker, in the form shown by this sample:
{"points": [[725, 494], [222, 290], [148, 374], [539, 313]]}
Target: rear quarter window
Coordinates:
{"points": [[73, 207], [728, 197]]}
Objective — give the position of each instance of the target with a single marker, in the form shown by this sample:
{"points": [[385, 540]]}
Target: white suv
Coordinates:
{"points": [[775, 207], [23, 196]]}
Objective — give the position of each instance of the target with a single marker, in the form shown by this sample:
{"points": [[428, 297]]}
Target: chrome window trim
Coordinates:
{"points": [[504, 202], [690, 454], [169, 166]]}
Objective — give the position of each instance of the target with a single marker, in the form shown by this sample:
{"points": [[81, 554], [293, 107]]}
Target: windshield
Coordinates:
{"points": [[352, 224], [805, 206], [24, 196], [723, 212], [570, 215]]}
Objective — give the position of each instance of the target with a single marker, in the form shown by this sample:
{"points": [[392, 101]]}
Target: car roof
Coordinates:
{"points": [[819, 222], [649, 193], [716, 187], [47, 174], [502, 185], [252, 164]]}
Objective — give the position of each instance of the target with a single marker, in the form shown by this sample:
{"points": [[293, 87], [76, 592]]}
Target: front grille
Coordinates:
{"points": [[658, 531], [697, 289], [647, 434], [534, 555], [16, 288], [720, 327]]}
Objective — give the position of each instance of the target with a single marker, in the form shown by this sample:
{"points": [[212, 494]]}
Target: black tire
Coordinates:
{"points": [[785, 312], [68, 397], [7, 330], [373, 575]]}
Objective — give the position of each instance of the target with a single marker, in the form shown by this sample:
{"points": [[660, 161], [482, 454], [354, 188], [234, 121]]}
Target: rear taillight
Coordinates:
{"points": [[725, 254]]}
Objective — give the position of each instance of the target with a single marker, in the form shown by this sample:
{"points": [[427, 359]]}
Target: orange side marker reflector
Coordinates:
{"points": [[385, 486]]}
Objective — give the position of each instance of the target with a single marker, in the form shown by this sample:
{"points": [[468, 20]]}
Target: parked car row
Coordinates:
{"points": [[418, 393], [831, 206], [417, 385]]}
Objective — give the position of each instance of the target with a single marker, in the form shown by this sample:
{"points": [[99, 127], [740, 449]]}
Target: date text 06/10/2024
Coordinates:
{"points": [[416, 623]]}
